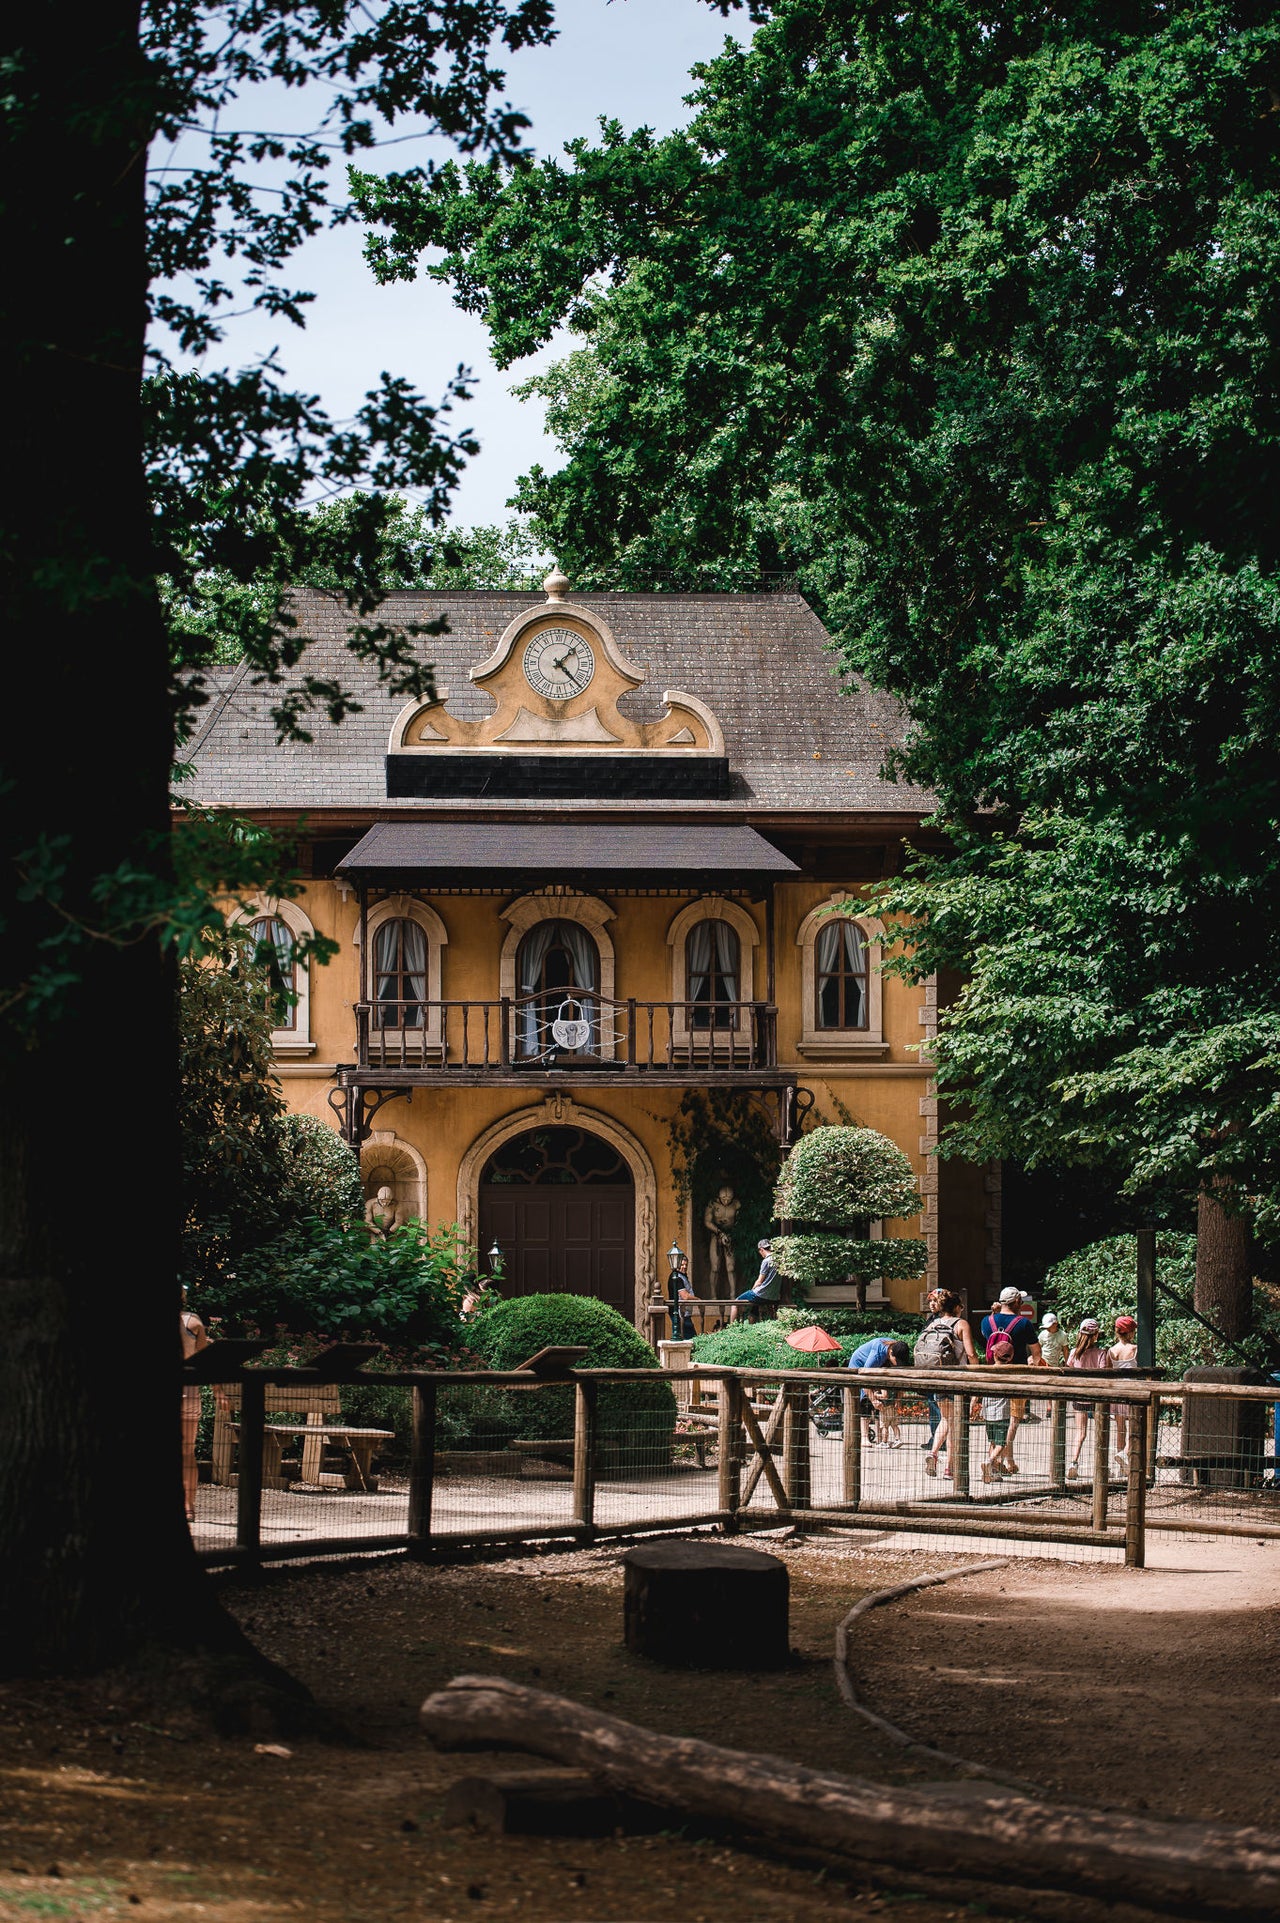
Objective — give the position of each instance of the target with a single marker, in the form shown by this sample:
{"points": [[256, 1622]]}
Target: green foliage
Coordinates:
{"points": [[855, 1323], [968, 314], [834, 1181], [413, 550], [763, 1345], [835, 1176], [636, 1420], [1100, 1280], [250, 1170], [817, 1260], [404, 1290], [721, 1137], [322, 1173]]}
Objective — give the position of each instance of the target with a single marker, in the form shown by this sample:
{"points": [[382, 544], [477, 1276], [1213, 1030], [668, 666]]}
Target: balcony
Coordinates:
{"points": [[558, 1037]]}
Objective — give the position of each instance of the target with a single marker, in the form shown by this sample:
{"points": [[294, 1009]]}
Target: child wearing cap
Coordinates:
{"points": [[1123, 1354], [1086, 1354], [1054, 1346]]}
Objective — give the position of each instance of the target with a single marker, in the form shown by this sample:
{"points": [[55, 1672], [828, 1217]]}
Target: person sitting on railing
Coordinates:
{"points": [[767, 1287]]}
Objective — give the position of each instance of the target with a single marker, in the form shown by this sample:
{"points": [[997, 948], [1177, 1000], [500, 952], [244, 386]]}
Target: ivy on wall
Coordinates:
{"points": [[723, 1137]]}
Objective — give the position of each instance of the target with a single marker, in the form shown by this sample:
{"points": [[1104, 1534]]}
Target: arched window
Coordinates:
{"points": [[399, 974], [273, 941], [712, 974], [840, 976], [557, 963]]}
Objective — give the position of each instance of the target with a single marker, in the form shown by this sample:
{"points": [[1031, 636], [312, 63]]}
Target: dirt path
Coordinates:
{"points": [[150, 1818]]}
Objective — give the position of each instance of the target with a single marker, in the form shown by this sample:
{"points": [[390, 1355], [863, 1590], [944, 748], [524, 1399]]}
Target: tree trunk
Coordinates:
{"points": [[1224, 1268], [97, 1558]]}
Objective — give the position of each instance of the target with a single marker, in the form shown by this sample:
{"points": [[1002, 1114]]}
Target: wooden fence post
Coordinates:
{"points": [[851, 1450], [253, 1417], [1101, 1461], [959, 1445], [1135, 1508], [422, 1467], [1058, 1445], [1153, 1437], [730, 1449], [584, 1453], [798, 1460]]}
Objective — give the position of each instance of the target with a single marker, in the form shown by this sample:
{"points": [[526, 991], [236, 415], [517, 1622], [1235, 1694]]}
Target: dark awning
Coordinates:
{"points": [[465, 853]]}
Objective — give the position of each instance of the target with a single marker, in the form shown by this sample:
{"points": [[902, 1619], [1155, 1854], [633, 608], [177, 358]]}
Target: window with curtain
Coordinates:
{"points": [[712, 972], [274, 939], [557, 962], [399, 974], [841, 976]]}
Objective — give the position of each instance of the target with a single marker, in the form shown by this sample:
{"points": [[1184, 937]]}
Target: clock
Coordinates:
{"points": [[558, 663]]}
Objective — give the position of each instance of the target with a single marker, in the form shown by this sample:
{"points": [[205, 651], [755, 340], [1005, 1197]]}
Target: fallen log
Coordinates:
{"points": [[964, 1829]]}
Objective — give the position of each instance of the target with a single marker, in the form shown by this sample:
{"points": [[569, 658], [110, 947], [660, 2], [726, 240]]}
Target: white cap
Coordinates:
{"points": [[1011, 1295], [1048, 1320]]}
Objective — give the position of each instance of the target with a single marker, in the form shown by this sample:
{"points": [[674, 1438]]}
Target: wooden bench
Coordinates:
{"points": [[314, 1402]]}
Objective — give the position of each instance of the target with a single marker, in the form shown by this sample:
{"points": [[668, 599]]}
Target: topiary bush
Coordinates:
{"points": [[636, 1421], [764, 1345], [834, 1183]]}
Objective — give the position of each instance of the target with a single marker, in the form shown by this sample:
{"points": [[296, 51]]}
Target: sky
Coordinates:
{"points": [[625, 59]]}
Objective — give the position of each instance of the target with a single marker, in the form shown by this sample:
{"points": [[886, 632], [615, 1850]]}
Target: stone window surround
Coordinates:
{"points": [[561, 904], [430, 1037], [841, 1044], [287, 1043], [707, 908]]}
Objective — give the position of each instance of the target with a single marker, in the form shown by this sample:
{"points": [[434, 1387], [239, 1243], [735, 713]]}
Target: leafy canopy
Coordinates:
{"points": [[969, 314]]}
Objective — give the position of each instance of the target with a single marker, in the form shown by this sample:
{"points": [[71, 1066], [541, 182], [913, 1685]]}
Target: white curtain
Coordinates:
{"points": [[534, 1031], [838, 935], [400, 973], [710, 940], [272, 929]]}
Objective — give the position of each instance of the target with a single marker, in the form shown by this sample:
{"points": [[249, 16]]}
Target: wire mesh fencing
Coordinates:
{"points": [[1073, 1463]]}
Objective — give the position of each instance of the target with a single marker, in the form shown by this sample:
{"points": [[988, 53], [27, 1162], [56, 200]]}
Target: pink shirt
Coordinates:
{"points": [[1093, 1358]]}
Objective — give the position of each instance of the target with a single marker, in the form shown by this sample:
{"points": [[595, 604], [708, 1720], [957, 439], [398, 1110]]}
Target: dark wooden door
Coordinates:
{"points": [[571, 1239]]}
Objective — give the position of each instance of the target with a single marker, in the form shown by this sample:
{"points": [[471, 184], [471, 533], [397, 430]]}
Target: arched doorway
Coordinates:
{"points": [[560, 1203]]}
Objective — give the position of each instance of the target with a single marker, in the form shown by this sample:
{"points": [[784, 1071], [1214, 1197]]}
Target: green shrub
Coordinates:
{"points": [[402, 1290], [835, 1177], [855, 1323], [322, 1173], [834, 1183], [635, 1420], [764, 1345]]}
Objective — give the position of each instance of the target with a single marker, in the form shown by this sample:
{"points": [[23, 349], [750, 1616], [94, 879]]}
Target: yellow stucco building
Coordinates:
{"points": [[623, 853]]}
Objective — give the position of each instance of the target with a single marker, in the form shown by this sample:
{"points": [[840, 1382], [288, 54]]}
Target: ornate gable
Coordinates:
{"points": [[556, 678]]}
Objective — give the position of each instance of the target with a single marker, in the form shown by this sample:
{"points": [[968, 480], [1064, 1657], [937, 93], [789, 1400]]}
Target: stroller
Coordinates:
{"points": [[826, 1410]]}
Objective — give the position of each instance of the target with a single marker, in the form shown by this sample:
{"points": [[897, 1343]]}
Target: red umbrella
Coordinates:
{"points": [[813, 1341]]}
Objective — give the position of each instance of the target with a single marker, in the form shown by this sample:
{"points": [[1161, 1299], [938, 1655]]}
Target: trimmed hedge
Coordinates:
{"points": [[834, 1177], [764, 1345], [636, 1421], [819, 1259]]}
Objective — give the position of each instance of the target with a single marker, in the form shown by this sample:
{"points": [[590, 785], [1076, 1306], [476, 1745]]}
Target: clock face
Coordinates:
{"points": [[558, 663]]}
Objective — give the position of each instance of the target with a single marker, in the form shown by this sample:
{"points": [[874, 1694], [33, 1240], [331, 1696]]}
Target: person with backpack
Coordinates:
{"points": [[945, 1342], [1007, 1319]]}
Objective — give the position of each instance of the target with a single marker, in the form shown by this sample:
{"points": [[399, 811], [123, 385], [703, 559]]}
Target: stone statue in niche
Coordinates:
{"points": [[718, 1218], [382, 1214]]}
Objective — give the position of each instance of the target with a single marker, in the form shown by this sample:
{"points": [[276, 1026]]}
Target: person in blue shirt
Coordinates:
{"points": [[879, 1353]]}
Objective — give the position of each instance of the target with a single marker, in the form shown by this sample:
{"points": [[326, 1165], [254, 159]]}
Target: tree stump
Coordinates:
{"points": [[707, 1605]]}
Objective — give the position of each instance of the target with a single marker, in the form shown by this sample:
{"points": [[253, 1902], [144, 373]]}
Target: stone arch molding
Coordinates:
{"points": [[561, 1111], [386, 1156], [708, 908], [562, 904], [828, 1044], [292, 1042]]}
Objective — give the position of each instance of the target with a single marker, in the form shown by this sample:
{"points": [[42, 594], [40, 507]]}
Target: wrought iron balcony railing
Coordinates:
{"points": [[529, 1034]]}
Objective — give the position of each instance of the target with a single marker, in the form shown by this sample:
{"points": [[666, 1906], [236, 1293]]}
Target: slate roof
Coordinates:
{"points": [[796, 736], [640, 850]]}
